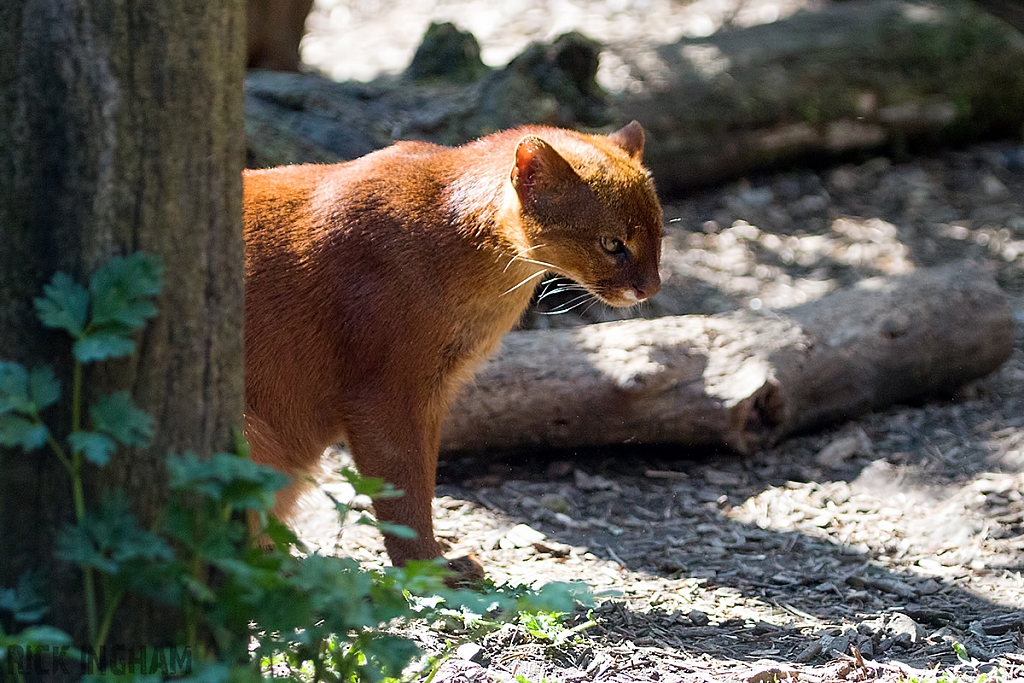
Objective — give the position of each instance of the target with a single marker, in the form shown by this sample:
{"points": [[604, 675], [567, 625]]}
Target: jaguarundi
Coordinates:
{"points": [[375, 287]]}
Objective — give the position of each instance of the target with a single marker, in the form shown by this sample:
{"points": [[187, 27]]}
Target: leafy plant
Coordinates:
{"points": [[244, 606], [543, 625], [552, 627]]}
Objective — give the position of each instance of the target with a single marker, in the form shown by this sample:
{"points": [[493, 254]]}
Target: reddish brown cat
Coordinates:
{"points": [[375, 287]]}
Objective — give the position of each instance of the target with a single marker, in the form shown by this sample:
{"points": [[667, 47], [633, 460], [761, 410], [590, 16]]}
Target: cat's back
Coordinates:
{"points": [[286, 186], [401, 182]]}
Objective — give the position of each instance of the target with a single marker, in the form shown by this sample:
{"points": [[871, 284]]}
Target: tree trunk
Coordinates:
{"points": [[122, 132], [742, 380], [274, 30]]}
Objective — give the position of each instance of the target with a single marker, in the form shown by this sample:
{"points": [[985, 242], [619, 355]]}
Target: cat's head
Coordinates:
{"points": [[588, 207]]}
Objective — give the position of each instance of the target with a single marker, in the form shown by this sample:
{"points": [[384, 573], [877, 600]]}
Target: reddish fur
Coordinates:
{"points": [[375, 287]]}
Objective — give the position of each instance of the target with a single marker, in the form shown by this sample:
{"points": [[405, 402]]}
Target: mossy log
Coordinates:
{"points": [[742, 380], [852, 77]]}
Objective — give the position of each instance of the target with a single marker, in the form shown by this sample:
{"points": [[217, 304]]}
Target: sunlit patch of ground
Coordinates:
{"points": [[863, 552]]}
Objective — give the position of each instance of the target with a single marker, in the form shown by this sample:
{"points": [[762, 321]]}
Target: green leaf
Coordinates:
{"points": [[116, 416], [64, 305], [228, 478], [198, 590], [212, 540], [557, 596], [38, 636], [27, 602], [44, 387], [45, 635], [419, 577], [331, 582], [543, 625], [14, 396], [24, 392], [102, 346], [396, 530], [241, 444], [108, 538], [374, 487], [281, 534], [121, 288], [75, 544], [209, 673], [94, 446], [17, 431], [105, 676], [387, 656]]}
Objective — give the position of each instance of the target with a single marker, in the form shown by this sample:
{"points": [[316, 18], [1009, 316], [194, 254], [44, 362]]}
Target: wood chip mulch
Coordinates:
{"points": [[871, 551]]}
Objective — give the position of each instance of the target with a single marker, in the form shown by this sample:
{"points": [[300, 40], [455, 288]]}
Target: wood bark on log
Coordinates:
{"points": [[856, 76], [859, 76], [743, 380]]}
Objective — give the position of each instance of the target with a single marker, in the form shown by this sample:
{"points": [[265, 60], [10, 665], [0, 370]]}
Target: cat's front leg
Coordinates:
{"points": [[402, 450]]}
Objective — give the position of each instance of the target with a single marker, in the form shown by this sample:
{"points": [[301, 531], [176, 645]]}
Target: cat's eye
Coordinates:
{"points": [[613, 245]]}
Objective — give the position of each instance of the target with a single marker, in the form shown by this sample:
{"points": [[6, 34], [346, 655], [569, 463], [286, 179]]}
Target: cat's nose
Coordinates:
{"points": [[648, 288]]}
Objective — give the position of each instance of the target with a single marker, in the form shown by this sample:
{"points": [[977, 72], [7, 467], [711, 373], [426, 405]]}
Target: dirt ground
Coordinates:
{"points": [[861, 553]]}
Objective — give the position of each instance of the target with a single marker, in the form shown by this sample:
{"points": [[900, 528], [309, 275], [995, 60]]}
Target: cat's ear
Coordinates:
{"points": [[538, 167], [631, 139]]}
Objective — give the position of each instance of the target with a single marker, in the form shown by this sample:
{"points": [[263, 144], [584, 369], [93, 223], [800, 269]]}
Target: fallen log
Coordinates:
{"points": [[860, 76], [743, 380], [850, 77]]}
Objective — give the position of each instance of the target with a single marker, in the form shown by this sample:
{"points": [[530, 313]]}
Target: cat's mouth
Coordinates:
{"points": [[616, 295], [623, 298]]}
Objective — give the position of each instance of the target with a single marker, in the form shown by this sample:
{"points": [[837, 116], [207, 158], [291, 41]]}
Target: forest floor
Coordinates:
{"points": [[871, 551], [863, 552]]}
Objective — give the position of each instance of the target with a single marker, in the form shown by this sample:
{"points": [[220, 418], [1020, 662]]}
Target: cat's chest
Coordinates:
{"points": [[469, 341]]}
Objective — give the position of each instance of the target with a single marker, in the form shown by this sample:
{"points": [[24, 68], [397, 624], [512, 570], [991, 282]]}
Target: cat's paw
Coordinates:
{"points": [[466, 572]]}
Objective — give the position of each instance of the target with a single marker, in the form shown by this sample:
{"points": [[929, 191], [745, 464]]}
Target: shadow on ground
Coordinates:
{"points": [[906, 541]]}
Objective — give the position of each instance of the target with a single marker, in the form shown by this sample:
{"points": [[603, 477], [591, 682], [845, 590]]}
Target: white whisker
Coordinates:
{"points": [[592, 303], [576, 303], [512, 289], [519, 257], [574, 307], [549, 266], [559, 290], [551, 280], [573, 300]]}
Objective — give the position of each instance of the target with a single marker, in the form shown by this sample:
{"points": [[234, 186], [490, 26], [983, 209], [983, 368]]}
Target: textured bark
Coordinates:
{"points": [[122, 133], [743, 380], [854, 77]]}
